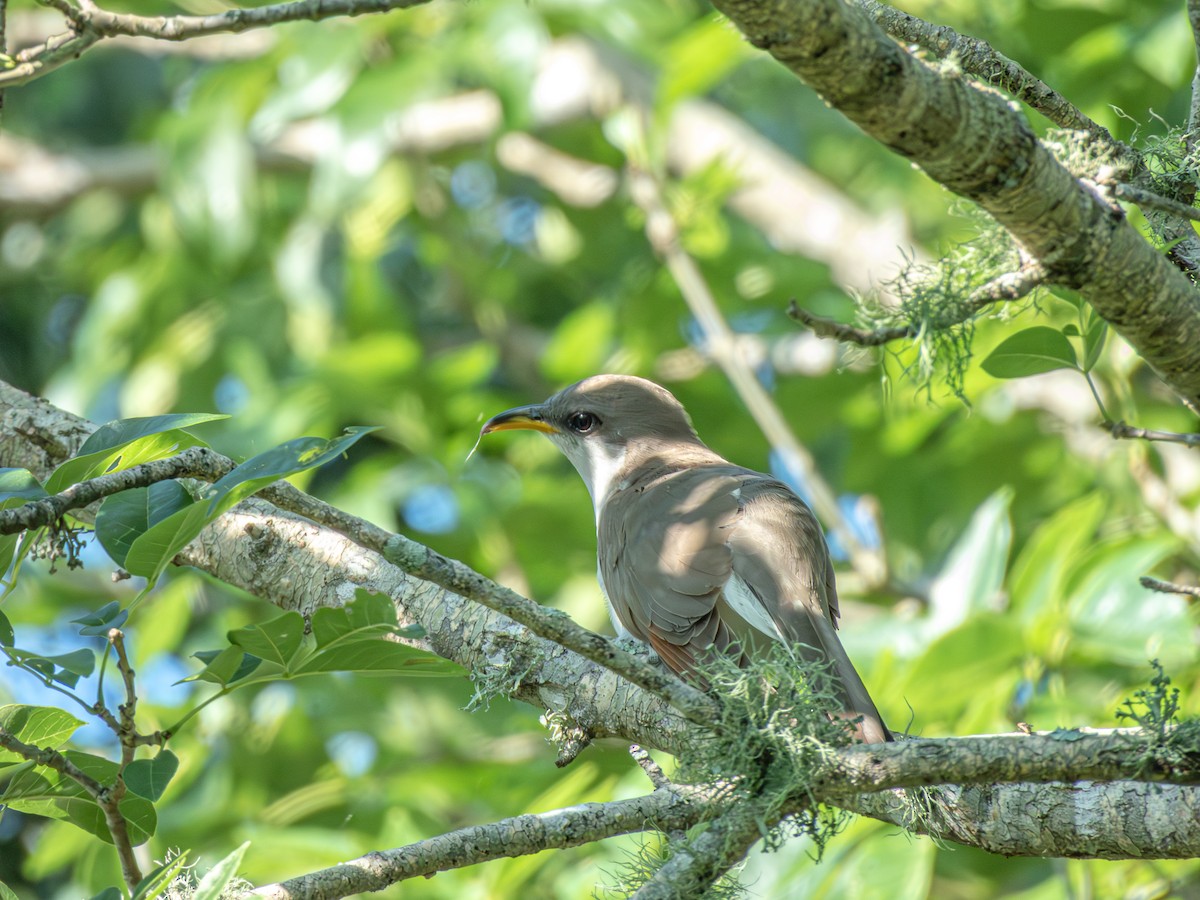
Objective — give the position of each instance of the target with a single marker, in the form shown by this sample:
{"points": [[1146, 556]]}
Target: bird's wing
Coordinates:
{"points": [[714, 556], [780, 555], [665, 559]]}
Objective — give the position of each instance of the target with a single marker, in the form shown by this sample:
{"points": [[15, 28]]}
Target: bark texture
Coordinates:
{"points": [[969, 139]]}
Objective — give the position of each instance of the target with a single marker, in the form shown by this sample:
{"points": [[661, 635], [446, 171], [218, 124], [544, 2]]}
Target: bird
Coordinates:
{"points": [[695, 553]]}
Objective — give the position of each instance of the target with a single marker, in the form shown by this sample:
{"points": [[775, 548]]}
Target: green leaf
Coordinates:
{"points": [[126, 516], [379, 655], [277, 641], [218, 878], [154, 550], [6, 631], [224, 667], [287, 459], [1031, 352], [116, 434], [974, 570], [141, 820], [18, 486], [154, 884], [79, 662], [125, 443], [149, 777], [110, 615], [6, 893], [41, 726], [1093, 342], [109, 893], [359, 638]]}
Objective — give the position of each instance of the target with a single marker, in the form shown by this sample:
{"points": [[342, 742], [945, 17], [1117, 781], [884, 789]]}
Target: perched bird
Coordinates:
{"points": [[695, 553]]}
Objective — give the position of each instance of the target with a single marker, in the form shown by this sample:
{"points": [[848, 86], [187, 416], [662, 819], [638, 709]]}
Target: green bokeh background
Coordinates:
{"points": [[424, 292]]}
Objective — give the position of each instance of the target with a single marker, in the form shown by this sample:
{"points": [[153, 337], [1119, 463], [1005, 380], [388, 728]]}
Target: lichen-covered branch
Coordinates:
{"points": [[667, 809], [297, 564], [983, 61], [969, 140], [1009, 286]]}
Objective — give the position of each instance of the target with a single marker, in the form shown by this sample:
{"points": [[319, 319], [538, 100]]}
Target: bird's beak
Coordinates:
{"points": [[530, 418]]}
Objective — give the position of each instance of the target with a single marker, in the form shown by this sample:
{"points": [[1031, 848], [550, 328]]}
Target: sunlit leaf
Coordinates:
{"points": [[149, 777], [153, 551], [18, 486], [1031, 352], [41, 726], [218, 878], [276, 641], [224, 666], [124, 517]]}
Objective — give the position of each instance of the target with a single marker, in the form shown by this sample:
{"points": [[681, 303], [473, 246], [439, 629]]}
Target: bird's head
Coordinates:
{"points": [[604, 425]]}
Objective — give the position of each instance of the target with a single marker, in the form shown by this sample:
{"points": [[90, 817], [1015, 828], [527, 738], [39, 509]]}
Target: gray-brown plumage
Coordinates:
{"points": [[695, 553]]}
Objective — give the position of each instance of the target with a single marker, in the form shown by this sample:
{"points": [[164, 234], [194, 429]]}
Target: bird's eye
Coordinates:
{"points": [[582, 422]]}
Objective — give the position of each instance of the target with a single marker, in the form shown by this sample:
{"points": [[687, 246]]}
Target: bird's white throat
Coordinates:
{"points": [[598, 464]]}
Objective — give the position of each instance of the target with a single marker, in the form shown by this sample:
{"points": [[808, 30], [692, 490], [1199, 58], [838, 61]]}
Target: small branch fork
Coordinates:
{"points": [[89, 24], [124, 726]]}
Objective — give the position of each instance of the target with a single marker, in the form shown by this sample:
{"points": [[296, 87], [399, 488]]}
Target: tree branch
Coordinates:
{"points": [[970, 141], [980, 59], [195, 462], [665, 809], [107, 798], [298, 565], [1122, 431], [1193, 132], [1009, 286], [1168, 587], [90, 25]]}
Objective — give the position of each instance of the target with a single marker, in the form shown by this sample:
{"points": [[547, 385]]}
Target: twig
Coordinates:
{"points": [[107, 798], [90, 25], [128, 710], [696, 865], [663, 235], [1193, 132], [1169, 587], [516, 836], [195, 462], [980, 59], [1009, 286], [652, 769], [1122, 431], [1150, 200]]}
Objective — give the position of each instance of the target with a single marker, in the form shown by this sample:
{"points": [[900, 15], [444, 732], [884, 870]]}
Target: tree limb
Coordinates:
{"points": [[90, 25], [665, 810], [970, 141], [299, 565], [980, 59]]}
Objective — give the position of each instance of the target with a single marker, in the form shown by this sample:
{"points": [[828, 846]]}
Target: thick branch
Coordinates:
{"points": [[298, 565], [970, 141], [980, 59], [668, 809]]}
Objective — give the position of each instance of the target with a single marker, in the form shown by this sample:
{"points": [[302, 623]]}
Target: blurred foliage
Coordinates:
{"points": [[423, 292]]}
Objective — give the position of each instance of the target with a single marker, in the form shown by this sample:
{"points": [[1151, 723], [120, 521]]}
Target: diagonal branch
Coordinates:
{"points": [[667, 809], [972, 142], [1009, 286], [980, 59], [90, 25]]}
